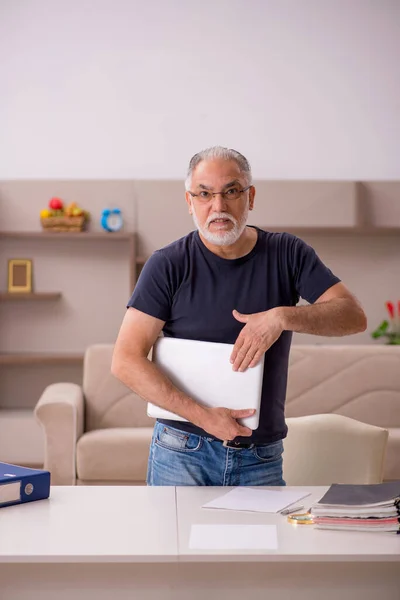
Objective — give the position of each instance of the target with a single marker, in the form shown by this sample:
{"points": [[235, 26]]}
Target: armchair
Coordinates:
{"points": [[97, 434]]}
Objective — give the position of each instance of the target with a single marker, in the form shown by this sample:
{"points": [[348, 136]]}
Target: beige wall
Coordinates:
{"points": [[21, 200], [304, 88], [370, 266], [92, 275]]}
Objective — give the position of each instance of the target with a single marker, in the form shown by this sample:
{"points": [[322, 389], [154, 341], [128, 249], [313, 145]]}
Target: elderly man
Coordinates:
{"points": [[233, 283]]}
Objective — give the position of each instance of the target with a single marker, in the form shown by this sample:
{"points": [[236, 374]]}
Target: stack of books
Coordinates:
{"points": [[359, 508]]}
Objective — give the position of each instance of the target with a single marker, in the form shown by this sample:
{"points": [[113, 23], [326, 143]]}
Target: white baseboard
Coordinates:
{"points": [[21, 438]]}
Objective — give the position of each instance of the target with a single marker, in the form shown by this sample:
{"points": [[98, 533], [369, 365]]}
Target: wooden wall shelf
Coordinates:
{"points": [[69, 235], [299, 231], [39, 358], [21, 296], [83, 236], [359, 230]]}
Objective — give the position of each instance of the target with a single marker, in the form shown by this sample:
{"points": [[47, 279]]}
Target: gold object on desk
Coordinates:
{"points": [[301, 519]]}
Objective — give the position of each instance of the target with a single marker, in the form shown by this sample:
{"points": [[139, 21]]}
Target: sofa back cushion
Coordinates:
{"points": [[108, 402], [361, 382]]}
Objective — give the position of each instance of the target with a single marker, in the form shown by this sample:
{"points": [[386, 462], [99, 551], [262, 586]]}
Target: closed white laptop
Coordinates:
{"points": [[204, 372]]}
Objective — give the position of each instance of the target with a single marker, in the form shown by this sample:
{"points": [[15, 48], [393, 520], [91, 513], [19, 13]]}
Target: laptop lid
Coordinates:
{"points": [[203, 371]]}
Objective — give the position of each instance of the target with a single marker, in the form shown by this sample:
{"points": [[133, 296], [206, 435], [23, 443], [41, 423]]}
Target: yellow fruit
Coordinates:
{"points": [[45, 213], [77, 212]]}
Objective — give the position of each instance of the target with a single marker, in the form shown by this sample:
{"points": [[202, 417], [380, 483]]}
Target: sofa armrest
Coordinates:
{"points": [[60, 411]]}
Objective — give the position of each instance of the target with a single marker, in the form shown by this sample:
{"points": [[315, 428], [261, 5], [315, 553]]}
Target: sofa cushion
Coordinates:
{"points": [[118, 454]]}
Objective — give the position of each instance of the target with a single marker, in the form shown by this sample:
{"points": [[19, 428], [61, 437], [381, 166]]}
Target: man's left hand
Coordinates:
{"points": [[260, 332]]}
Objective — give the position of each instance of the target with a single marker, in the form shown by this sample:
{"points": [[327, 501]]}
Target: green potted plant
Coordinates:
{"points": [[389, 328]]}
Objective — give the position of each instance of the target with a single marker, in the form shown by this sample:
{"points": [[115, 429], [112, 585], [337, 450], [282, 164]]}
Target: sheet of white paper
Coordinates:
{"points": [[250, 499], [233, 537]]}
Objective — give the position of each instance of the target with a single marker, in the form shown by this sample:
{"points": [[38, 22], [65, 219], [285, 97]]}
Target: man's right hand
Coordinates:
{"points": [[222, 423]]}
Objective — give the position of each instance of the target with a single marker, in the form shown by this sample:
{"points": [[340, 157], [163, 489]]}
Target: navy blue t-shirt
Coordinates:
{"points": [[194, 291]]}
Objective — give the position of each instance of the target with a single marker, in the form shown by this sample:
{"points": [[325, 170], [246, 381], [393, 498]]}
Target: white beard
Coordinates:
{"points": [[223, 238]]}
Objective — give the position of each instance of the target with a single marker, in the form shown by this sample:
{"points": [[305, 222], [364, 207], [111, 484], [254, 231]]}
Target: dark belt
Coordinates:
{"points": [[237, 445]]}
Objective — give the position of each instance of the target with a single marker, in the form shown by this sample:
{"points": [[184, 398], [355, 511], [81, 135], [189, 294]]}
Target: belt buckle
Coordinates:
{"points": [[237, 445]]}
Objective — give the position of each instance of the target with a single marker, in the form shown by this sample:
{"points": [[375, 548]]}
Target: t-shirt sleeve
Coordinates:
{"points": [[153, 293], [310, 276]]}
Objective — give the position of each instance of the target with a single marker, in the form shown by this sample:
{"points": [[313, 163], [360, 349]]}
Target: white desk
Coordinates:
{"points": [[116, 543], [308, 564], [86, 524], [296, 543]]}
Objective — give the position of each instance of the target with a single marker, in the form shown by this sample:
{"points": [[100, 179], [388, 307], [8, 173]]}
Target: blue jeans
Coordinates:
{"points": [[180, 458]]}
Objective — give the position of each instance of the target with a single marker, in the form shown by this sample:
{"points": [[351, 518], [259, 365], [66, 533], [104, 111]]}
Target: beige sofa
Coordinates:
{"points": [[361, 382], [100, 433]]}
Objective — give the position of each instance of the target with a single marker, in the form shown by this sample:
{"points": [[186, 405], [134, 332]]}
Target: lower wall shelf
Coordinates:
{"points": [[21, 296], [40, 358]]}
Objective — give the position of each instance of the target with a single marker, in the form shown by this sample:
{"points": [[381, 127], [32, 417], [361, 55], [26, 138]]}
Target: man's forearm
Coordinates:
{"points": [[336, 317], [145, 379]]}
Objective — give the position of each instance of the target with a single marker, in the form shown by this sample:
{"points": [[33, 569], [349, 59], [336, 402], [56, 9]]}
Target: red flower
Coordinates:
{"points": [[390, 308]]}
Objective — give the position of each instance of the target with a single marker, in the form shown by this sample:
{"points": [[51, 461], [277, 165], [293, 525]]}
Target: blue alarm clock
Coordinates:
{"points": [[111, 219]]}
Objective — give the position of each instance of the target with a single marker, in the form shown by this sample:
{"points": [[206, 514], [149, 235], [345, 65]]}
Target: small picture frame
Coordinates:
{"points": [[19, 275]]}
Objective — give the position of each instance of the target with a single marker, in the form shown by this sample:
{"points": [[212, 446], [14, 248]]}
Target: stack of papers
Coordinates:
{"points": [[256, 500], [359, 508]]}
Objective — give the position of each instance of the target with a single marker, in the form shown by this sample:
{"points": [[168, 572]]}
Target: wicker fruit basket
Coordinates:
{"points": [[61, 217], [64, 223]]}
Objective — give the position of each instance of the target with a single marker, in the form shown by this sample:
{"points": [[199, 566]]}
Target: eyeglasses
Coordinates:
{"points": [[230, 194]]}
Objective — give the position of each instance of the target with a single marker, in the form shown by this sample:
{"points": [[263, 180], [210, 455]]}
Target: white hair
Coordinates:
{"points": [[219, 152]]}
